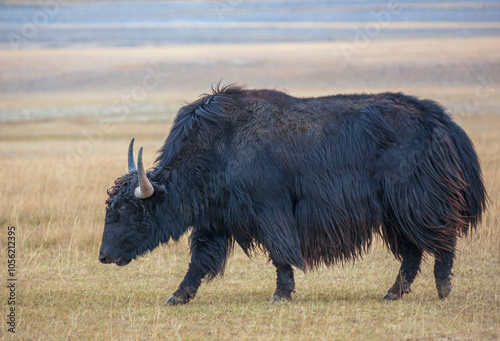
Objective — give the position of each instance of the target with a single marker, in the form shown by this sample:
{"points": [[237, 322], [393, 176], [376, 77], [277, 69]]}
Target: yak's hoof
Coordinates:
{"points": [[174, 300], [443, 289], [390, 296], [280, 298]]}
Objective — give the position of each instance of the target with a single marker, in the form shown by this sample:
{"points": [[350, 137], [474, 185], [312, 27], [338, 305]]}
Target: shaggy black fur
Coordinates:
{"points": [[306, 180]]}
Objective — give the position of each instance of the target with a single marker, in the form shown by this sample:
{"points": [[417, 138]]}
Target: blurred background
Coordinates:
{"points": [[79, 79], [73, 57]]}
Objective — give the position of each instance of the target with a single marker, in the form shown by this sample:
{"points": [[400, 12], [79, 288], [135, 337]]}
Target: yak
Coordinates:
{"points": [[306, 181]]}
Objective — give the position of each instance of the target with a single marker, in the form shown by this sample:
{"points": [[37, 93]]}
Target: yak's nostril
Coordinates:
{"points": [[103, 259]]}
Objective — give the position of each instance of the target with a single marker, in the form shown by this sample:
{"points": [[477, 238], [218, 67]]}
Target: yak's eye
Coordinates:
{"points": [[122, 208]]}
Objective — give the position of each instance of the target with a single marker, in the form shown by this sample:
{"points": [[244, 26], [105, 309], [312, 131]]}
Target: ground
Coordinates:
{"points": [[57, 206], [68, 115]]}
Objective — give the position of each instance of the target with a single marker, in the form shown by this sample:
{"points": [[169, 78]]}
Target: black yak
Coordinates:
{"points": [[307, 180]]}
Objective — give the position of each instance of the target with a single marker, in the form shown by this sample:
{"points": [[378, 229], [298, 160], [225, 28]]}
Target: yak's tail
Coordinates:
{"points": [[474, 193], [441, 194]]}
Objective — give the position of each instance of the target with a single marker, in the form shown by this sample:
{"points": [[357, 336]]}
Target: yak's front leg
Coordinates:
{"points": [[285, 283], [208, 258], [280, 238]]}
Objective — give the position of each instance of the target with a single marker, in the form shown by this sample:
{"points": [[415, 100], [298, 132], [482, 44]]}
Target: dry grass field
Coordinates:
{"points": [[64, 293], [56, 168]]}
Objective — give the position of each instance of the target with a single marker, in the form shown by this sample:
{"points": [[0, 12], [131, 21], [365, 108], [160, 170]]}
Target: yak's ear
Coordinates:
{"points": [[160, 192]]}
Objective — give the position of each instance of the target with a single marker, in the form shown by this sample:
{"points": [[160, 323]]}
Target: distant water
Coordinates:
{"points": [[231, 21], [48, 24]]}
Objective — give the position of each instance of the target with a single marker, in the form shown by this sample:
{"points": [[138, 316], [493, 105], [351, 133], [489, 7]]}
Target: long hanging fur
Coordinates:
{"points": [[311, 180]]}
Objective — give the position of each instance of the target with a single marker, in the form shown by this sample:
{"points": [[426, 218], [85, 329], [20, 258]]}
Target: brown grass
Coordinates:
{"points": [[64, 293]]}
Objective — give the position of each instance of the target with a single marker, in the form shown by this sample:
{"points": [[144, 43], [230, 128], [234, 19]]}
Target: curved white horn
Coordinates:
{"points": [[131, 162], [145, 189]]}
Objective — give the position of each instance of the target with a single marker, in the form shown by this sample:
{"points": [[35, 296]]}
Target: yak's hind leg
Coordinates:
{"points": [[285, 284], [442, 272], [410, 266], [208, 257]]}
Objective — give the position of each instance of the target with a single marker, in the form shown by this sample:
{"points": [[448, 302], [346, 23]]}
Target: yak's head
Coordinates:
{"points": [[131, 228]]}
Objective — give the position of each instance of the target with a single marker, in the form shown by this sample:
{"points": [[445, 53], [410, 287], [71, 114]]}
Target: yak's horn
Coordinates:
{"points": [[131, 163], [145, 189]]}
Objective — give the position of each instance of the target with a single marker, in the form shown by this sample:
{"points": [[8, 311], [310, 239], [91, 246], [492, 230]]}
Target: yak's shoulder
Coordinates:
{"points": [[198, 121]]}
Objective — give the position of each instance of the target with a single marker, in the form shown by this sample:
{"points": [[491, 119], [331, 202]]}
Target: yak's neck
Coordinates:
{"points": [[189, 193], [176, 213]]}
